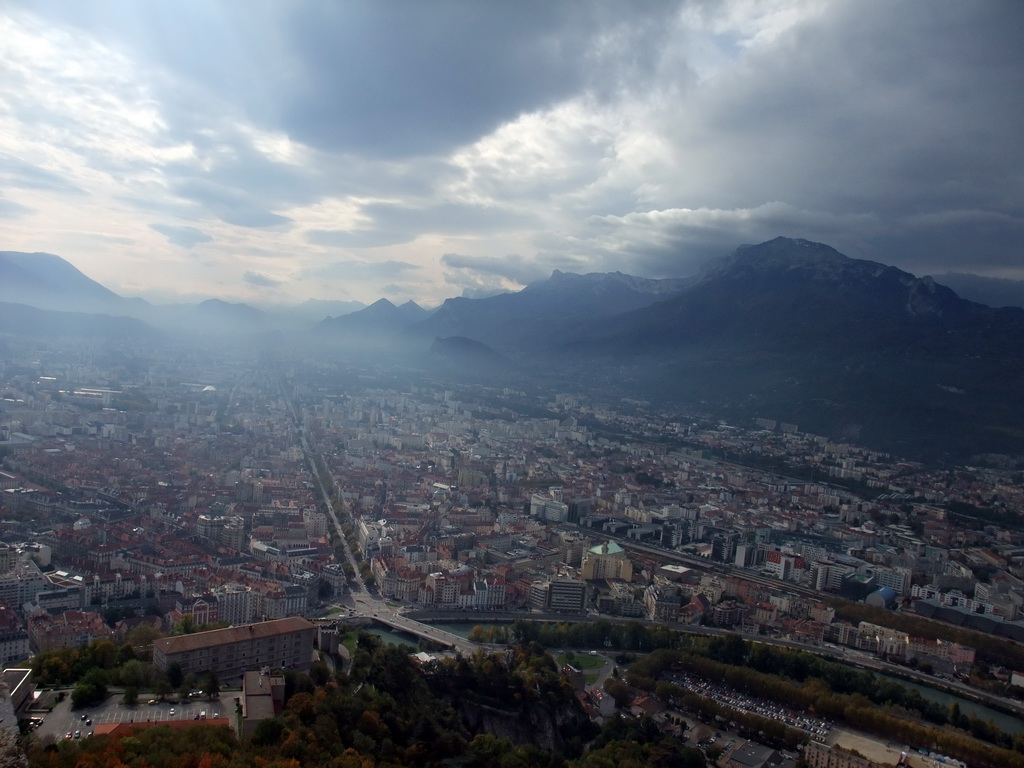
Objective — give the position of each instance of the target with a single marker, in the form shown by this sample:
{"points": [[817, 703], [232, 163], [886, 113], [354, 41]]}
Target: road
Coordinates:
{"points": [[394, 619], [314, 460], [365, 603]]}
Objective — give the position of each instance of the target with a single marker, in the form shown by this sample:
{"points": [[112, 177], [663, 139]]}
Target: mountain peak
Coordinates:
{"points": [[608, 281], [381, 315], [789, 259], [779, 253], [47, 281]]}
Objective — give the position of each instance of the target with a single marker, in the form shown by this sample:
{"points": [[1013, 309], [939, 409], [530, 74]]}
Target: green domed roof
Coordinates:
{"points": [[606, 548]]}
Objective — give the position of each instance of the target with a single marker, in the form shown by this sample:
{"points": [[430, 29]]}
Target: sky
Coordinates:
{"points": [[273, 152]]}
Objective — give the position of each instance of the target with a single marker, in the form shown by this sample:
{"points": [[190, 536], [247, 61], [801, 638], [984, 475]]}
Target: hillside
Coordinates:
{"points": [[795, 330]]}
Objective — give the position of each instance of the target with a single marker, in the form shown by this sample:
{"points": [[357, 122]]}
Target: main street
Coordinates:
{"points": [[365, 603], [314, 461]]}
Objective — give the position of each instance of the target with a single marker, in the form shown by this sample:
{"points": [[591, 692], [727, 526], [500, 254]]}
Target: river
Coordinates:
{"points": [[1007, 723], [391, 637]]}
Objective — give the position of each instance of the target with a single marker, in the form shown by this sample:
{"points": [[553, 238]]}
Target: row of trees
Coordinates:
{"points": [[97, 666], [631, 636], [870, 711]]}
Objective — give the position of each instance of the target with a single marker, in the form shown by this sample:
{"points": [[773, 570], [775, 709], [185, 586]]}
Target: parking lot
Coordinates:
{"points": [[63, 719], [812, 726]]}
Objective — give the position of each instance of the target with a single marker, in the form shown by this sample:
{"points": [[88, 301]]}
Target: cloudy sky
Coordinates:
{"points": [[278, 151]]}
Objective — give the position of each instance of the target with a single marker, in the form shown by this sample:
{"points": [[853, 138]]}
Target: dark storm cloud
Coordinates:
{"points": [[448, 72], [186, 237], [872, 126], [969, 240], [875, 106], [382, 78]]}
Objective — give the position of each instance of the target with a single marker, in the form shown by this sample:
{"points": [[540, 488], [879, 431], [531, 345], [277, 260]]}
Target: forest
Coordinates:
{"points": [[511, 708], [391, 712]]}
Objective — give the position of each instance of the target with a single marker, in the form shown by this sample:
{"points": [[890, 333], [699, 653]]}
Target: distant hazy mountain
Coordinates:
{"points": [[993, 291], [46, 281], [794, 330], [225, 318], [381, 316], [314, 310], [413, 312], [28, 321], [558, 308], [378, 331], [459, 353]]}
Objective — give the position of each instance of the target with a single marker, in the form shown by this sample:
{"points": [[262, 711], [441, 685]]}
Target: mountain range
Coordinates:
{"points": [[794, 330], [48, 282], [788, 329]]}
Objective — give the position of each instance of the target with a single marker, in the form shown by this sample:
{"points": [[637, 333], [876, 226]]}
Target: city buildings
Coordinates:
{"points": [[198, 497]]}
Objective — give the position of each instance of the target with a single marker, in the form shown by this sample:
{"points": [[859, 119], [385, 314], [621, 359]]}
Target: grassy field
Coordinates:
{"points": [[580, 661], [586, 663]]}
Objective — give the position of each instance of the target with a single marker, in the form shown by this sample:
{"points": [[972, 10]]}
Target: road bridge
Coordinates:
{"points": [[427, 632]]}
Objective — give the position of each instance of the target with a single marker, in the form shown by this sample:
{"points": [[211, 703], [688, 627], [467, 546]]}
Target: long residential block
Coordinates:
{"points": [[280, 644]]}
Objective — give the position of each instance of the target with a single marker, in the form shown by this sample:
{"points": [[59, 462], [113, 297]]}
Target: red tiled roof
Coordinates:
{"points": [[120, 730], [215, 637]]}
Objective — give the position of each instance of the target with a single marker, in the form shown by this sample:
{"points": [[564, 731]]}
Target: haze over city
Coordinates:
{"points": [[275, 152], [556, 383]]}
